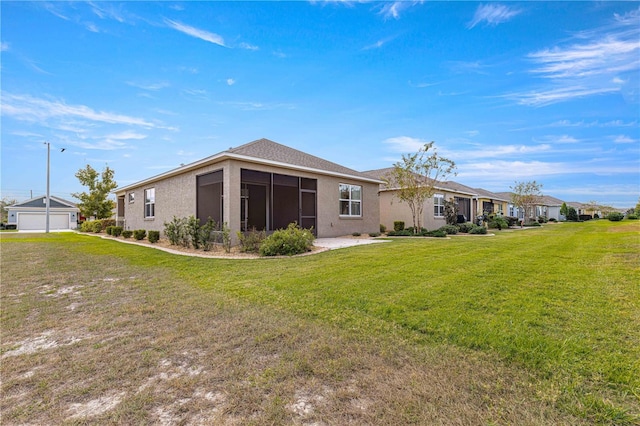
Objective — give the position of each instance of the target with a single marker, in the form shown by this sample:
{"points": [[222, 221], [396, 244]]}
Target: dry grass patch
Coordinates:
{"points": [[95, 339]]}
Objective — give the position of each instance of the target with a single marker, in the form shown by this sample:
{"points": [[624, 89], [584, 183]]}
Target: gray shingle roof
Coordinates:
{"points": [[54, 202], [266, 149]]}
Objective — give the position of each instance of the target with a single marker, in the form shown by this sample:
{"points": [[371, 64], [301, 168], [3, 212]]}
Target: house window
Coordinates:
{"points": [[149, 203], [132, 197], [438, 205], [350, 200]]}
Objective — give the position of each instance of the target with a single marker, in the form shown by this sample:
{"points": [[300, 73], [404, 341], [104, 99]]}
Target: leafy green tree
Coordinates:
{"points": [[451, 212], [5, 202], [527, 195], [572, 214], [638, 207], [96, 201], [564, 209], [415, 177]]}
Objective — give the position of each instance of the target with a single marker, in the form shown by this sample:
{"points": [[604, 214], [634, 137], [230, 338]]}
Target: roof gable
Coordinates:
{"points": [[54, 202]]}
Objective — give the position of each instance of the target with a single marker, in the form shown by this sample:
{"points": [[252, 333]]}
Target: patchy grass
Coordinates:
{"points": [[540, 326]]}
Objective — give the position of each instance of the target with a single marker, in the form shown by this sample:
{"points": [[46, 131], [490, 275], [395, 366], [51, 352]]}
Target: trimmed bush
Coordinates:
{"points": [[108, 230], [498, 222], [139, 234], [533, 223], [250, 241], [615, 216], [438, 233], [355, 234], [374, 234], [207, 234], [398, 225], [116, 231], [383, 229], [449, 229], [552, 219], [465, 227], [290, 241], [154, 236], [632, 216], [127, 233], [401, 233], [512, 221], [478, 230], [96, 226]]}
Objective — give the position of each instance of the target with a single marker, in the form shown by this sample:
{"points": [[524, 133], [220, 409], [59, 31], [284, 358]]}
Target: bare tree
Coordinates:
{"points": [[415, 178], [526, 195]]}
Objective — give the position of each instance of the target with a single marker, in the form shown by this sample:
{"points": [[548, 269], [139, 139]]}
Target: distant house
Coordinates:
{"points": [[262, 185], [547, 207], [31, 215], [491, 202], [392, 209]]}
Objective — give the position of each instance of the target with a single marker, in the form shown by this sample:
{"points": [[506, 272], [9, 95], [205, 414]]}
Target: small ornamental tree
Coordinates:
{"points": [[414, 179], [526, 195], [451, 212], [96, 202], [564, 209]]}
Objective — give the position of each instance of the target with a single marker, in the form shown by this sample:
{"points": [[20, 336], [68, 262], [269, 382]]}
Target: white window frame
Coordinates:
{"points": [[132, 197], [438, 207], [351, 202], [149, 203]]}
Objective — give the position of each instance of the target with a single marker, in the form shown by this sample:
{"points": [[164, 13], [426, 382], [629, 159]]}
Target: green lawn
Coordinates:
{"points": [[529, 326]]}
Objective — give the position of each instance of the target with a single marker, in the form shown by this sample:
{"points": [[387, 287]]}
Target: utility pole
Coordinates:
{"points": [[48, 204]]}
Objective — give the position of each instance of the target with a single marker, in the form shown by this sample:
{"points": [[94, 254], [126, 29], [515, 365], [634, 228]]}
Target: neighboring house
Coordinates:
{"points": [[393, 209], [550, 208], [262, 185], [512, 210], [490, 202], [31, 215]]}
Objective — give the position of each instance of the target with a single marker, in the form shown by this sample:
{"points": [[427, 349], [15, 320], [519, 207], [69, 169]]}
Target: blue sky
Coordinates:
{"points": [[514, 91]]}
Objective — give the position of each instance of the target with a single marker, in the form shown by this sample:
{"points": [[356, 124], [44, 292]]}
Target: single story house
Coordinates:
{"points": [[547, 206], [31, 215], [393, 209], [262, 185], [490, 202]]}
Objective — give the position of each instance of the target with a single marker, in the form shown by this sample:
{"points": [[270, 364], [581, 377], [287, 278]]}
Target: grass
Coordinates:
{"points": [[535, 326]]}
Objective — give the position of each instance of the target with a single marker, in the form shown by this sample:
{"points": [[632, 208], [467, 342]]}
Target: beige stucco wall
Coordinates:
{"points": [[176, 196], [392, 209]]}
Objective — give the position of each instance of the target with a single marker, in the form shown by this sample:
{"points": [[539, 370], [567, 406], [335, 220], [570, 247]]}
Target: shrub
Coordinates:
{"points": [[572, 214], [402, 233], [176, 232], [465, 227], [139, 234], [498, 222], [251, 240], [116, 231], [127, 233], [438, 233], [412, 231], [398, 225], [289, 241], [552, 219], [383, 229], [226, 237], [108, 230], [542, 219], [153, 236], [207, 234], [532, 223], [355, 234], [96, 226], [478, 230], [615, 216], [374, 234], [632, 216], [512, 221], [449, 229]]}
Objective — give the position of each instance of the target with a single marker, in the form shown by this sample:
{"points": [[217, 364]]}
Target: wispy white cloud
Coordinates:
{"points": [[91, 27], [195, 32], [197, 94], [231, 82], [405, 144], [558, 139], [554, 95], [497, 151], [493, 14], [623, 139], [595, 63], [4, 46], [596, 123], [149, 86], [29, 108], [248, 46], [258, 106]]}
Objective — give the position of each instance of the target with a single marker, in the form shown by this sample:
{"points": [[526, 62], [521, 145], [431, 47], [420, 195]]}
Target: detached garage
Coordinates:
{"points": [[31, 215]]}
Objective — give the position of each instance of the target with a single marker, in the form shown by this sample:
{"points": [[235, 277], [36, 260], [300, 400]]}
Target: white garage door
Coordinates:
{"points": [[38, 221]]}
